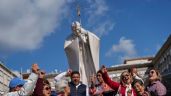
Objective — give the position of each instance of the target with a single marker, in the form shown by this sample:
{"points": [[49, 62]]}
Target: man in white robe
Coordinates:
{"points": [[82, 50]]}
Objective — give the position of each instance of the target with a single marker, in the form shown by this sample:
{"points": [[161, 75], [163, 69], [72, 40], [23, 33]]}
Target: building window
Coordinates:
{"points": [[1, 76]]}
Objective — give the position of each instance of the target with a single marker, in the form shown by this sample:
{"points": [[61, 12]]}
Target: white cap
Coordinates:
{"points": [[76, 23]]}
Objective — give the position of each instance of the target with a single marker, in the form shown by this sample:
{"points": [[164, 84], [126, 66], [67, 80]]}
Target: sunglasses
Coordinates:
{"points": [[42, 73], [126, 75], [151, 72], [47, 88], [99, 75]]}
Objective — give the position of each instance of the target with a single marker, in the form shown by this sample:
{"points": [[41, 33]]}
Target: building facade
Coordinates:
{"points": [[162, 62], [142, 64], [5, 76]]}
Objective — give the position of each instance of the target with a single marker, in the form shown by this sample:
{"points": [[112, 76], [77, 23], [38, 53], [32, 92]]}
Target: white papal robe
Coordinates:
{"points": [[83, 54]]}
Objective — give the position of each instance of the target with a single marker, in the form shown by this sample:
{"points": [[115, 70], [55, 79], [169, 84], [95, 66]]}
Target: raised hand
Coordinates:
{"points": [[103, 69], [69, 72], [42, 74], [93, 78], [35, 68]]}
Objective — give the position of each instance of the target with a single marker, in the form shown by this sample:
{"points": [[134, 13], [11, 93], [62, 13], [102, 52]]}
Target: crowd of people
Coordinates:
{"points": [[69, 84]]}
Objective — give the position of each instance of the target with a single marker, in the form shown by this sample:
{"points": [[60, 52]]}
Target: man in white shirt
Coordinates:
{"points": [[19, 87]]}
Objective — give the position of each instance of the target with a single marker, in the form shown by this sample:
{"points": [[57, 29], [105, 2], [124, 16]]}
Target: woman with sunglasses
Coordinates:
{"points": [[155, 87], [46, 89], [124, 88], [42, 87]]}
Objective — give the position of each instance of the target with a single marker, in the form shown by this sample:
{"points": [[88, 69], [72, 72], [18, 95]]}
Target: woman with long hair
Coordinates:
{"points": [[124, 87], [155, 86]]}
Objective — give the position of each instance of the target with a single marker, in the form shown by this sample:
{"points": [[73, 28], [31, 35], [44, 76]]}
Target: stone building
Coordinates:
{"points": [[141, 64], [162, 61], [5, 76]]}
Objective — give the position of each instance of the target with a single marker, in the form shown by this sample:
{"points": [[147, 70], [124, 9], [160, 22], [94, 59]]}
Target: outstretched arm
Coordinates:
{"points": [[114, 85], [31, 82]]}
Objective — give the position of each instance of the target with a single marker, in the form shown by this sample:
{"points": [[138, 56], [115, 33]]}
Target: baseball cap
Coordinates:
{"points": [[15, 82]]}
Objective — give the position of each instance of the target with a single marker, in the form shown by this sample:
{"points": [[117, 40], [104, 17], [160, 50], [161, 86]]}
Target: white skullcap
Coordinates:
{"points": [[76, 23]]}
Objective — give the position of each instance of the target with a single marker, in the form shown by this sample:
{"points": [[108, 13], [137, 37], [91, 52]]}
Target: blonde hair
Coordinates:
{"points": [[157, 73], [121, 77]]}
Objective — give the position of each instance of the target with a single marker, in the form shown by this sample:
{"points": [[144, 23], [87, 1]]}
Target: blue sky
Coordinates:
{"points": [[34, 31]]}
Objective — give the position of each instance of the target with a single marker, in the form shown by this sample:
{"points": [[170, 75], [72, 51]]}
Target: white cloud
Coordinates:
{"points": [[126, 48], [25, 23], [104, 28], [97, 9], [101, 7], [97, 17]]}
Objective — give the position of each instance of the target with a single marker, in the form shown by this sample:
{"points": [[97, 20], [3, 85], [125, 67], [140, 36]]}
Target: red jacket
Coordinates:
{"points": [[115, 85], [38, 91]]}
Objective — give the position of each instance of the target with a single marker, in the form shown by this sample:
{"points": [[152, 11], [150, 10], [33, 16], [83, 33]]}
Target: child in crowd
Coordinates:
{"points": [[134, 73]]}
